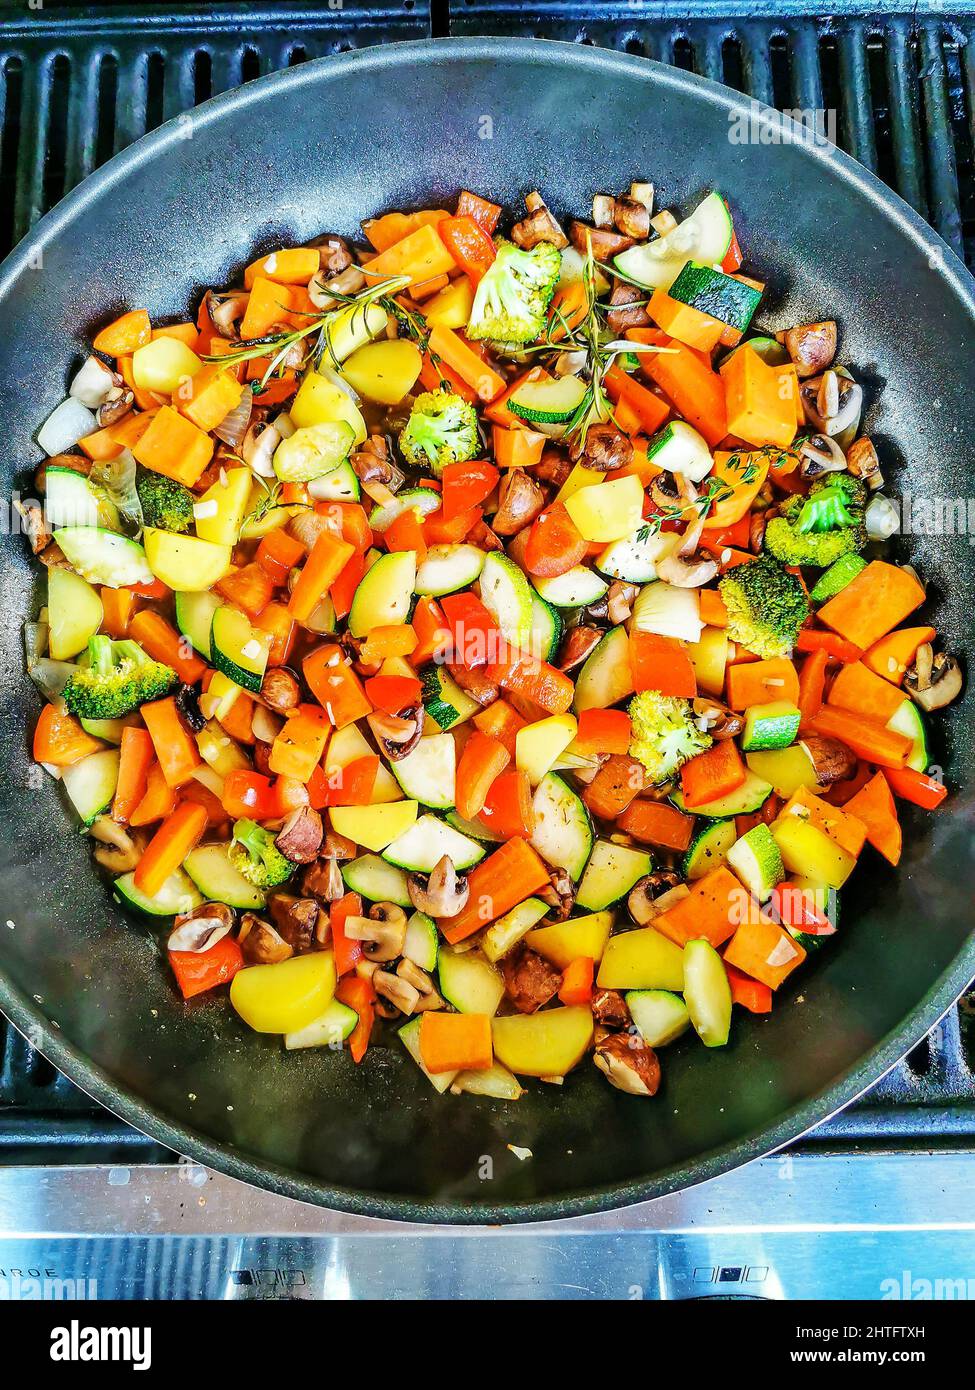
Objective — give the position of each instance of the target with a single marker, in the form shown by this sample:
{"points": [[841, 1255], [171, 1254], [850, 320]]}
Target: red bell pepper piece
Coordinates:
{"points": [[479, 210], [198, 971], [393, 693], [916, 787], [346, 951], [750, 994], [358, 994], [466, 484], [475, 637], [249, 795], [554, 545]]}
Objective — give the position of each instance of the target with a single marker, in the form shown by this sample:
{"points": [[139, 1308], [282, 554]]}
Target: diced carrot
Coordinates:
{"points": [[857, 688], [740, 476], [187, 333], [268, 305], [177, 835], [507, 877], [759, 941], [750, 994], [432, 633], [756, 409], [874, 806], [649, 409], [132, 427], [386, 640], [174, 446], [158, 801], [175, 746], [238, 720], [100, 445], [894, 654], [713, 908], [814, 639], [451, 348], [394, 227], [874, 602], [576, 987], [300, 743], [500, 722], [163, 643], [656, 823], [696, 391], [812, 683], [326, 560], [421, 255], [278, 554], [715, 773], [662, 664], [516, 448], [210, 396], [684, 322], [713, 611], [347, 951], [136, 756], [118, 606], [293, 265], [335, 685], [483, 759], [868, 738], [760, 682], [122, 337], [60, 740], [455, 1042]]}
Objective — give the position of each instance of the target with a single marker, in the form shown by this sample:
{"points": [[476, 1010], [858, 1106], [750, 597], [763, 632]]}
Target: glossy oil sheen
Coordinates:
{"points": [[319, 148]]}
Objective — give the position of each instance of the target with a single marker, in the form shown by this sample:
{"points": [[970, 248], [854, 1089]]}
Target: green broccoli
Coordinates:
{"points": [[442, 429], [253, 853], [664, 733], [118, 678], [512, 298], [766, 606], [818, 529], [165, 502]]}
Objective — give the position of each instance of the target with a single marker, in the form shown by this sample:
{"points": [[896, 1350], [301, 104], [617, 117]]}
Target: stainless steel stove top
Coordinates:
{"points": [[822, 1226]]}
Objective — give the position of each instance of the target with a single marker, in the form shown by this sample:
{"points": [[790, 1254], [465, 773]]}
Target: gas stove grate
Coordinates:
{"points": [[78, 84]]}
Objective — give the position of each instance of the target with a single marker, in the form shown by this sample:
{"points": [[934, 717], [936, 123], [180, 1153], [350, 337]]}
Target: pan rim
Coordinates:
{"points": [[794, 1122]]}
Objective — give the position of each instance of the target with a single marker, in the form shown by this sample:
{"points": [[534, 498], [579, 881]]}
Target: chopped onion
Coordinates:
{"points": [[51, 676], [93, 383], [881, 518], [62, 429], [782, 952], [234, 424], [331, 375], [208, 778], [668, 611], [117, 478]]}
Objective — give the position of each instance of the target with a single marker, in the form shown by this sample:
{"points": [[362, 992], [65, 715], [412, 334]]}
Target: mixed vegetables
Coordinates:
{"points": [[488, 634]]}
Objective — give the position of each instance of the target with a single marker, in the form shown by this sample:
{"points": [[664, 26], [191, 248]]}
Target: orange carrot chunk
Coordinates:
{"points": [[172, 842], [874, 602], [507, 877], [455, 1042]]}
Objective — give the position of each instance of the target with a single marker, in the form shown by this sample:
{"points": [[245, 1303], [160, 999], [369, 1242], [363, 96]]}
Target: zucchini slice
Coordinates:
{"points": [[70, 499], [679, 448], [424, 499], [659, 1015], [610, 874], [178, 894], [428, 773], [91, 783], [371, 877], [707, 993], [340, 485], [605, 676], [329, 1029], [545, 629], [104, 557], [706, 235], [551, 401], [774, 725], [507, 595], [194, 617], [210, 869], [474, 830], [426, 842], [709, 849], [469, 982], [422, 942], [563, 832], [384, 594], [574, 589], [444, 700], [447, 568], [712, 292], [239, 650]]}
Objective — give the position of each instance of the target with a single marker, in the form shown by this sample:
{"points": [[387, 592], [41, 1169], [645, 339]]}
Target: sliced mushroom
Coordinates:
{"points": [[280, 689], [605, 244], [300, 837], [200, 929], [820, 454], [538, 226], [619, 600], [560, 893], [628, 1064], [397, 735], [429, 999], [323, 880], [571, 363], [260, 943], [603, 448], [934, 680], [719, 721], [831, 759], [226, 310], [396, 991], [258, 446], [36, 529], [577, 645], [628, 308], [863, 463], [333, 252], [687, 571], [382, 933], [443, 893], [644, 895], [116, 407], [812, 346], [296, 919], [119, 849], [831, 402], [474, 682], [603, 207], [483, 537], [632, 217], [324, 286], [553, 467], [520, 499]]}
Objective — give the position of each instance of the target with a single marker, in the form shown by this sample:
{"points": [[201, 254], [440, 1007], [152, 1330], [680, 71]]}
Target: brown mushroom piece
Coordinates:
{"points": [[280, 689], [119, 850], [324, 880], [300, 837], [863, 462], [610, 1008], [720, 721], [324, 288], [820, 454], [397, 734], [334, 255], [832, 761], [605, 244], [687, 571], [120, 401], [538, 226], [603, 448], [200, 929], [934, 680], [442, 893], [429, 999], [260, 942], [628, 1064], [397, 993], [520, 499], [553, 467], [35, 525], [619, 600], [577, 645], [226, 310], [529, 979], [627, 307], [632, 218], [643, 899], [296, 919], [382, 933], [560, 893], [840, 397], [258, 446], [473, 681], [812, 346]]}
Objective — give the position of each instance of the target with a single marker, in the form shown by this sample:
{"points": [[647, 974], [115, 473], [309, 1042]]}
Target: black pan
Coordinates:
{"points": [[318, 148]]}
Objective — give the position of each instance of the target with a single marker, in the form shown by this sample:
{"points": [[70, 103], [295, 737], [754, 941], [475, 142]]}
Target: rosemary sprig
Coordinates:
{"points": [[714, 491]]}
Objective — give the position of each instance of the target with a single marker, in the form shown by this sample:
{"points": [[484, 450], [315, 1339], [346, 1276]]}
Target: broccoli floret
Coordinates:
{"points": [[253, 853], [165, 502], [118, 678], [664, 733], [818, 529], [512, 298], [766, 606], [442, 429]]}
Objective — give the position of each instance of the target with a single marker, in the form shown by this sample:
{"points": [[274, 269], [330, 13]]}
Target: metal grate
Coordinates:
{"points": [[77, 85]]}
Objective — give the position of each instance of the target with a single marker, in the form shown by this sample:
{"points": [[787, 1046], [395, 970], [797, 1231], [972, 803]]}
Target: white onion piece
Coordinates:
{"points": [[782, 952], [881, 518], [284, 425], [235, 423], [51, 676], [62, 429], [92, 383]]}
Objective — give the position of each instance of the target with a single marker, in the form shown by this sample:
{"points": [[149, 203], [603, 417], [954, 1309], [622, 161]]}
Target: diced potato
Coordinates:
{"points": [[285, 997], [564, 942], [642, 959], [373, 827], [787, 769], [609, 511], [163, 364], [384, 372], [709, 657], [539, 745], [353, 327], [221, 510], [549, 1043], [451, 307], [182, 562], [321, 402], [808, 851]]}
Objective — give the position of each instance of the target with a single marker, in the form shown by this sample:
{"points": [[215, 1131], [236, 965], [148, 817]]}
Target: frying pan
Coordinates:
{"points": [[318, 148]]}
